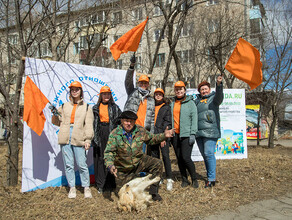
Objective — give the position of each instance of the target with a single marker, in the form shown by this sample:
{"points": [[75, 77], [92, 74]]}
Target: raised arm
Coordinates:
{"points": [[218, 99], [129, 84]]}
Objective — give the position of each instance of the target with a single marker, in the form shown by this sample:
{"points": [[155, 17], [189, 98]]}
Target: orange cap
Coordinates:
{"points": [[159, 90], [179, 84], [76, 84], [105, 89], [143, 78]]}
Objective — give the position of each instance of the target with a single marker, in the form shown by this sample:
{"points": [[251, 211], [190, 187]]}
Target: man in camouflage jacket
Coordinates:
{"points": [[124, 156]]}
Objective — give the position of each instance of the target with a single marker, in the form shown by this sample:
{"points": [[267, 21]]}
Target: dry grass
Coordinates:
{"points": [[265, 174]]}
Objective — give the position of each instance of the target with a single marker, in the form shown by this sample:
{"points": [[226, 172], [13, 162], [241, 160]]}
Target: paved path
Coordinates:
{"points": [[264, 142], [272, 209]]}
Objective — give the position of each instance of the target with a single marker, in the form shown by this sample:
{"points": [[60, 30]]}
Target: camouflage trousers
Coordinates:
{"points": [[147, 164]]}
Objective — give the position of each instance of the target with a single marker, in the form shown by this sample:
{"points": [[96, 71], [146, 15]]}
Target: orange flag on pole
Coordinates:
{"points": [[244, 63], [34, 103], [129, 41]]}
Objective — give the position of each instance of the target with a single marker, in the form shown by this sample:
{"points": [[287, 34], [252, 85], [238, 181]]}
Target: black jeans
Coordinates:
{"points": [[183, 153], [103, 178], [155, 152]]}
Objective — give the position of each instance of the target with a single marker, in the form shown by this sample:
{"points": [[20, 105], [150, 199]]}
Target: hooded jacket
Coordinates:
{"points": [[134, 99], [208, 113]]}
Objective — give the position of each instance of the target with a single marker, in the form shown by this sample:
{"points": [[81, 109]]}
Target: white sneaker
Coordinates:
{"points": [[169, 184], [72, 193], [87, 192]]}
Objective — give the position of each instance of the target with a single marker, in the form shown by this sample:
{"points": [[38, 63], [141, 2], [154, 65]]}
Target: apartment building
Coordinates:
{"points": [[208, 34]]}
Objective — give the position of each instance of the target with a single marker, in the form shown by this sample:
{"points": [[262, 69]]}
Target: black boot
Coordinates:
{"points": [[195, 183], [154, 192], [185, 182], [156, 197]]}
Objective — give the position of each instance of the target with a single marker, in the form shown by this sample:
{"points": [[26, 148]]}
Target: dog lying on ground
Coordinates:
{"points": [[132, 195]]}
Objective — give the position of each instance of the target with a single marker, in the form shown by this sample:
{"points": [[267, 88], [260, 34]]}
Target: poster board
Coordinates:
{"points": [[42, 159]]}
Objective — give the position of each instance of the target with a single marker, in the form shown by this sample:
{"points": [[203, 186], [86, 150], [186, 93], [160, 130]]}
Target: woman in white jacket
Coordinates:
{"points": [[75, 134]]}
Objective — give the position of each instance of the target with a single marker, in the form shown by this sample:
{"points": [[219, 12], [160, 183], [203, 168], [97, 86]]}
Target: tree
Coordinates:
{"points": [[224, 25], [278, 59], [35, 28]]}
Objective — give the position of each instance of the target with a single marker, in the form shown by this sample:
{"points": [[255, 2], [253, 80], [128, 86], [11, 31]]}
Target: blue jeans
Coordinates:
{"points": [[68, 152], [207, 148]]}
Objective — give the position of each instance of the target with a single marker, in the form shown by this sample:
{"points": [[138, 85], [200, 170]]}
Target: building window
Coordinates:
{"points": [[93, 40], [117, 17], [100, 17], [255, 26], [13, 39], [213, 25], [12, 59], [45, 50], [76, 48], [94, 19], [157, 33], [137, 14], [77, 26], [83, 42], [187, 30], [212, 2], [160, 60], [84, 22], [186, 56], [157, 11]]}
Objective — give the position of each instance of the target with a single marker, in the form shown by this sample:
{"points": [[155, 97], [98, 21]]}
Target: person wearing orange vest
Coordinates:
{"points": [[75, 135], [139, 100], [162, 121], [185, 122], [106, 118]]}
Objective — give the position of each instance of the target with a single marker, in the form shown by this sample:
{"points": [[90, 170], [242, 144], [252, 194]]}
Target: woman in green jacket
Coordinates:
{"points": [[209, 125], [184, 120]]}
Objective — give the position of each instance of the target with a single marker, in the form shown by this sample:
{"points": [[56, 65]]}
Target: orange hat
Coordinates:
{"points": [[143, 78], [159, 90], [179, 84], [76, 84], [105, 89]]}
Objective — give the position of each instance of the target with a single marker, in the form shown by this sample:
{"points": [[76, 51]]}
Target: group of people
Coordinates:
{"points": [[127, 143]]}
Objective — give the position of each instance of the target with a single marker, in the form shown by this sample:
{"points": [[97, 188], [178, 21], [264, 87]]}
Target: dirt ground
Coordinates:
{"points": [[265, 174]]}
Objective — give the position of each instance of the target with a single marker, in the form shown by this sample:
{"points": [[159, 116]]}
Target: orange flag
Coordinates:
{"points": [[34, 103], [244, 63], [129, 41]]}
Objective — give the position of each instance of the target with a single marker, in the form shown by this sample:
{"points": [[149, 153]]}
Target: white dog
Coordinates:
{"points": [[132, 195]]}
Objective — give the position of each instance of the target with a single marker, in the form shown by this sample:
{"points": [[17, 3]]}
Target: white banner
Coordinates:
{"points": [[233, 143], [42, 160]]}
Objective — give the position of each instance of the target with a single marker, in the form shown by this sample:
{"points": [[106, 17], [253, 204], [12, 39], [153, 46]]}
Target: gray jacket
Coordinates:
{"points": [[134, 99], [208, 113]]}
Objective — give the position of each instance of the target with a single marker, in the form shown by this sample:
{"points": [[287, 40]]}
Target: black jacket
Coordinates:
{"points": [[163, 119], [113, 113]]}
